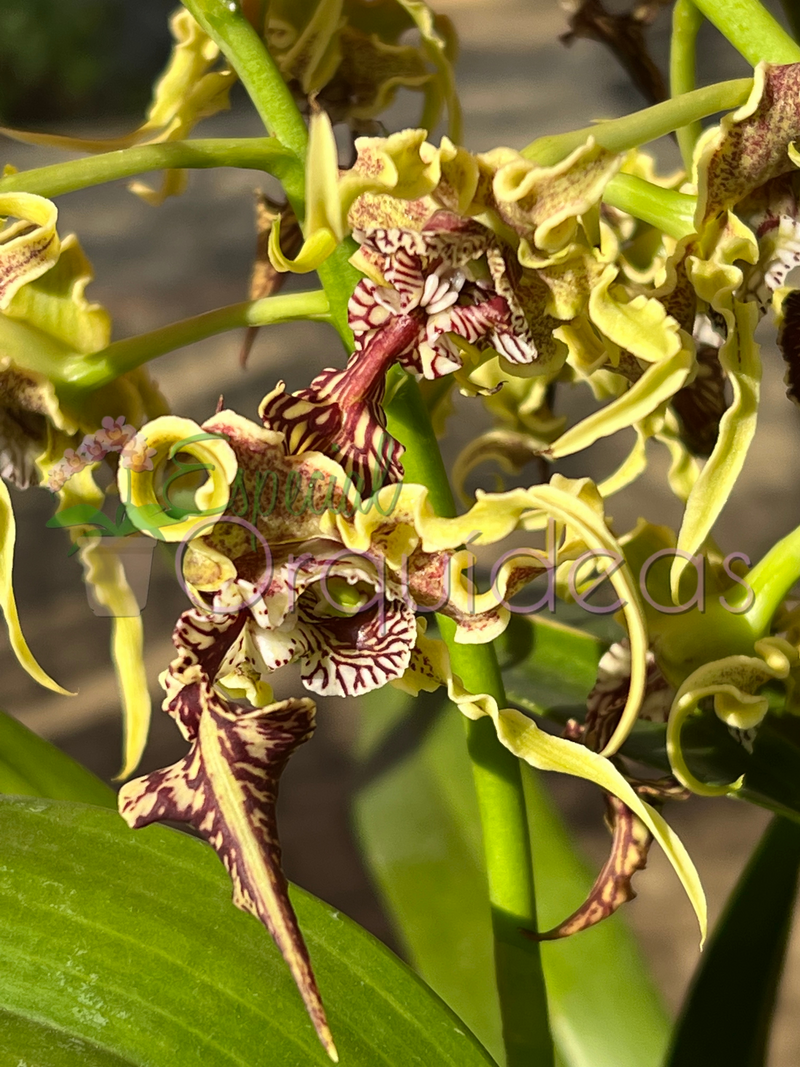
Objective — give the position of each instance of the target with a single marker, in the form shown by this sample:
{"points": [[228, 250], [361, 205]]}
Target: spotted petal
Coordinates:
{"points": [[29, 247], [612, 888], [226, 788], [749, 147]]}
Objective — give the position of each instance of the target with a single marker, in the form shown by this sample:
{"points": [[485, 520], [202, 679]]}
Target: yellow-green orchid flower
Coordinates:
{"points": [[46, 326], [286, 562], [348, 54]]}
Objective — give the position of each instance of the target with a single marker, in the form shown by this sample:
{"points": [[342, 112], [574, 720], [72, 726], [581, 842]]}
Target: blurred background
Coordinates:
{"points": [[86, 68]]}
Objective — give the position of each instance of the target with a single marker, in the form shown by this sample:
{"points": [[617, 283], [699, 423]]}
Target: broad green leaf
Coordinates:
{"points": [[123, 948], [418, 822], [726, 1017], [31, 766]]}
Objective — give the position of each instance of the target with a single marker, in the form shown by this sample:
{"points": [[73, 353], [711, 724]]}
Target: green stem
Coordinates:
{"points": [[100, 368], [247, 54], [686, 22], [771, 580], [497, 776], [249, 57], [253, 153], [751, 30], [669, 210], [631, 131]]}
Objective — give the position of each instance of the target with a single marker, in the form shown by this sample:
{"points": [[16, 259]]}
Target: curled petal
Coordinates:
{"points": [[29, 247], [543, 204], [658, 383], [640, 326], [733, 682], [444, 84], [749, 147], [169, 436], [324, 224], [403, 164], [574, 504], [314, 52]]}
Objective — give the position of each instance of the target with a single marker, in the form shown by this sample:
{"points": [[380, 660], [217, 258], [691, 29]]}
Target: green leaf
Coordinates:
{"points": [[417, 819], [726, 1018], [31, 766], [123, 948]]}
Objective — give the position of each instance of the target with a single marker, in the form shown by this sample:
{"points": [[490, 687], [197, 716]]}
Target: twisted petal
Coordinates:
{"points": [[104, 572], [443, 87], [612, 888], [658, 383], [734, 683], [8, 603], [740, 360], [226, 788], [575, 504], [29, 247]]}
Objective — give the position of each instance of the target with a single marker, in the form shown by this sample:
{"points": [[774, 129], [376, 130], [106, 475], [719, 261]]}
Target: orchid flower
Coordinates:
{"points": [[287, 563], [47, 326], [350, 58]]}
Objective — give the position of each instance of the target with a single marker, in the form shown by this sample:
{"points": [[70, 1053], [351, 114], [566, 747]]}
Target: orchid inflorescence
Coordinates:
{"points": [[511, 275]]}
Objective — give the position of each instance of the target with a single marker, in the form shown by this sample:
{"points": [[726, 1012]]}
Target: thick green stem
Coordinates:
{"points": [[669, 210], [686, 22], [772, 580], [498, 781], [249, 57], [751, 30], [631, 131], [100, 368], [253, 153]]}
